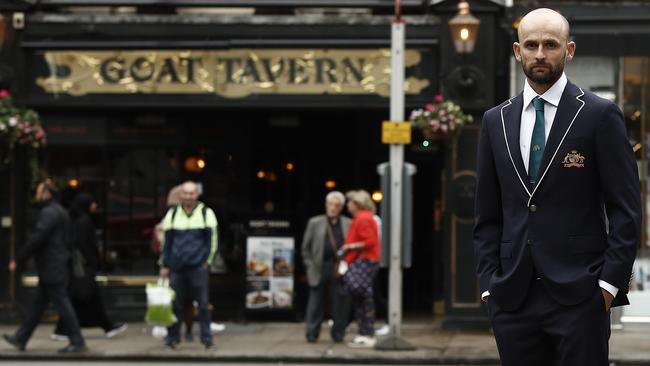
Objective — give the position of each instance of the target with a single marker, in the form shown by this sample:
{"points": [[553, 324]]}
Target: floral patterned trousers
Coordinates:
{"points": [[364, 306]]}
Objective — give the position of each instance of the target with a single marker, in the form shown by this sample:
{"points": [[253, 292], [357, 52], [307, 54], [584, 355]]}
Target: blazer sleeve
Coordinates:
{"points": [[488, 215], [307, 239], [621, 194], [45, 223]]}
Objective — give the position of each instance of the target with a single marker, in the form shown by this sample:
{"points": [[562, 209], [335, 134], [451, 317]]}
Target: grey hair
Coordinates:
{"points": [[336, 194]]}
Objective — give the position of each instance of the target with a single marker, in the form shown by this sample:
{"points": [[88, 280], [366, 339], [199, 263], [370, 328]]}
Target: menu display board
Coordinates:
{"points": [[269, 272]]}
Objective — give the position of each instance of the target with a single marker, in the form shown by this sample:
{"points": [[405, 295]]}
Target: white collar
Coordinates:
{"points": [[552, 95]]}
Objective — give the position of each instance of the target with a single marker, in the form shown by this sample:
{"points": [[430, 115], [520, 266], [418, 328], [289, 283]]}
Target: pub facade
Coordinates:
{"points": [[269, 107]]}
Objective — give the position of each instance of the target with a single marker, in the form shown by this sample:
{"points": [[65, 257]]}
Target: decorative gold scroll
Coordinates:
{"points": [[228, 73]]}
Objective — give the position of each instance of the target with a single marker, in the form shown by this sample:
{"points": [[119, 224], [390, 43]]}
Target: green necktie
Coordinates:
{"points": [[537, 142]]}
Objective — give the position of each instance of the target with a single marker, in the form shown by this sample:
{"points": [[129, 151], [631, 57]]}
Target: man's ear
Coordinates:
{"points": [[516, 49], [570, 50]]}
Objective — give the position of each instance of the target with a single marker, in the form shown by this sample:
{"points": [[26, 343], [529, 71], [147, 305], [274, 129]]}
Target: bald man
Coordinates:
{"points": [[189, 245], [558, 212]]}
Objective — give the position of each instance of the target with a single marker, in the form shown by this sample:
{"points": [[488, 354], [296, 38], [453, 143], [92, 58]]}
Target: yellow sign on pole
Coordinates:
{"points": [[396, 133]]}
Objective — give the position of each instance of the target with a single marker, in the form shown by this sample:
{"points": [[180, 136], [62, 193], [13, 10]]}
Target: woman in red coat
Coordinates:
{"points": [[362, 251]]}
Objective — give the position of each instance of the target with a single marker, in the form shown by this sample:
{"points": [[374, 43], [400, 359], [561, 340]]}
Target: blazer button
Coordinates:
{"points": [[532, 208]]}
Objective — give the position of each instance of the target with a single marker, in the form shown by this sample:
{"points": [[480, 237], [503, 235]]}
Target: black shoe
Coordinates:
{"points": [[337, 339], [189, 337], [312, 339], [14, 342], [208, 344], [73, 348]]}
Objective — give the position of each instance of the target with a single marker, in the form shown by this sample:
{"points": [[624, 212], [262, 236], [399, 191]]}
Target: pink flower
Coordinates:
{"points": [[429, 107], [444, 128], [4, 93], [442, 112], [438, 98]]}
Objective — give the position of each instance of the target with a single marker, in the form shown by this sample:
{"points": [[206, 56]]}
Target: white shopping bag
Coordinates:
{"points": [[160, 299]]}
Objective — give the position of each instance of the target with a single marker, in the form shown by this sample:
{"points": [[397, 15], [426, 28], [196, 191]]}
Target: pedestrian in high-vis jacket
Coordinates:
{"points": [[189, 245]]}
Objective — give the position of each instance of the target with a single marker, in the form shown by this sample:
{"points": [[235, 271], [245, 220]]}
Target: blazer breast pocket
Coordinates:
{"points": [[576, 156]]}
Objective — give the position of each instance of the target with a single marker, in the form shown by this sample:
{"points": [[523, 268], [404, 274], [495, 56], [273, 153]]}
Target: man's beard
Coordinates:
{"points": [[553, 74]]}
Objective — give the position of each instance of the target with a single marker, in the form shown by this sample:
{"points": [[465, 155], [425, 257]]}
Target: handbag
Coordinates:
{"points": [[78, 264], [357, 281], [160, 310], [340, 265]]}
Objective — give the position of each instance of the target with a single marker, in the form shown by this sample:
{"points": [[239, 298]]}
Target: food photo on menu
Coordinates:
{"points": [[282, 290], [258, 295], [282, 262], [259, 264]]}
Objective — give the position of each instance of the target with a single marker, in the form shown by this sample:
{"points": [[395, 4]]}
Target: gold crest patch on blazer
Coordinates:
{"points": [[574, 160]]}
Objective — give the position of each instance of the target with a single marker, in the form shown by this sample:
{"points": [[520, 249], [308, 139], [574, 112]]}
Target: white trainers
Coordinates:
{"points": [[384, 330], [217, 327], [119, 329], [362, 342], [59, 337], [159, 332]]}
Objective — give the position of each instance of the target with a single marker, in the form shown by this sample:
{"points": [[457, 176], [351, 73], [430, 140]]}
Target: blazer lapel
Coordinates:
{"points": [[567, 111], [511, 115]]}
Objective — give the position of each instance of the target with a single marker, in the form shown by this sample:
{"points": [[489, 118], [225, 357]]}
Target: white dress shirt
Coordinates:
{"points": [[552, 99]]}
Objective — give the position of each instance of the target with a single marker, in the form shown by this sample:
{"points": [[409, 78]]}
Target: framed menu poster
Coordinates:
{"points": [[269, 272]]}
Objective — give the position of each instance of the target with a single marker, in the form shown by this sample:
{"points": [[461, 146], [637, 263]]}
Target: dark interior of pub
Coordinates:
{"points": [[251, 164]]}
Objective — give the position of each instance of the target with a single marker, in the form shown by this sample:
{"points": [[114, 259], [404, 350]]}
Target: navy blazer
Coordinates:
{"points": [[557, 230]]}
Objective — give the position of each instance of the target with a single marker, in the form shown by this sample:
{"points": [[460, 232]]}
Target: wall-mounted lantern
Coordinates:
{"points": [[464, 29]]}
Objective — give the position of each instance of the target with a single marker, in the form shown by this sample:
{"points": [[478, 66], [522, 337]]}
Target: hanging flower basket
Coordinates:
{"points": [[441, 119], [19, 127]]}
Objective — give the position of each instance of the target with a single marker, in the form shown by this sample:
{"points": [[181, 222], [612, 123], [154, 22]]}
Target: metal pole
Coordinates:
{"points": [[396, 168]]}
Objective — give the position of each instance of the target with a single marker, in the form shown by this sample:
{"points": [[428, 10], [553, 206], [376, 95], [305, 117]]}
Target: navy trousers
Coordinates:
{"points": [[191, 284], [543, 332]]}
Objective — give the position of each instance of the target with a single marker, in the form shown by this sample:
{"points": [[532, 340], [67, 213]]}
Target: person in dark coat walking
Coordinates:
{"points": [[48, 244], [84, 291]]}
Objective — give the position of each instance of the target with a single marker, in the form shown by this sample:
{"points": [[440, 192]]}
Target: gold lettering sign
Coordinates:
{"points": [[230, 73]]}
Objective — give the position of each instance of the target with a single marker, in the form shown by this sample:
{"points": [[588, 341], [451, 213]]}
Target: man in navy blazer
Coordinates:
{"points": [[558, 209]]}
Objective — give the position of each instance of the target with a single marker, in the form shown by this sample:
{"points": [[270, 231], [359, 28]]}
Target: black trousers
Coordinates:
{"points": [[543, 332], [58, 295], [340, 305], [90, 311]]}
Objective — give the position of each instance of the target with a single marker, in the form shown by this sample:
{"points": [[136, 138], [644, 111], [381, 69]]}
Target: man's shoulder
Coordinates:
{"points": [[203, 207], [53, 208], [495, 112], [316, 219], [594, 101]]}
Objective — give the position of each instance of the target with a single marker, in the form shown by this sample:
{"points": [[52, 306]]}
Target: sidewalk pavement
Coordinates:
{"points": [[285, 342]]}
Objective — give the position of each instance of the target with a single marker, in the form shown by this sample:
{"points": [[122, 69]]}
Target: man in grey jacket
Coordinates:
{"points": [[323, 237]]}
